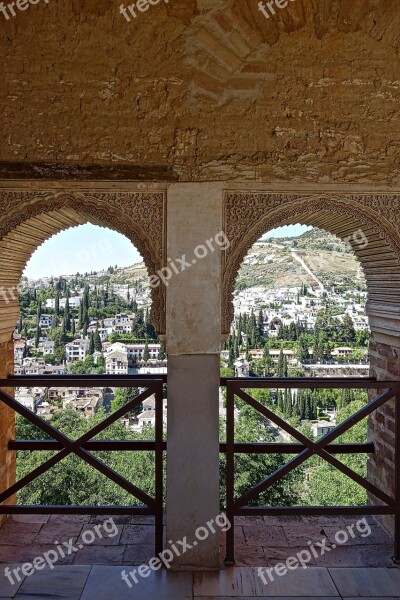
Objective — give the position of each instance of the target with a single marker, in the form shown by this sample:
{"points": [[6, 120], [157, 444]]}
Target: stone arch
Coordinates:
{"points": [[28, 219], [249, 215]]}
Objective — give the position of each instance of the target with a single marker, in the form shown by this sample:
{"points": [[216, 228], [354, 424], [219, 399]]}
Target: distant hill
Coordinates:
{"points": [[308, 258], [275, 262], [315, 239]]}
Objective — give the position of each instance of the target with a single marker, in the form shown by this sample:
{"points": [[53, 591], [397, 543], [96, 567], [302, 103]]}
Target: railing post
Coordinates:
{"points": [[397, 478], [159, 460], [230, 473]]}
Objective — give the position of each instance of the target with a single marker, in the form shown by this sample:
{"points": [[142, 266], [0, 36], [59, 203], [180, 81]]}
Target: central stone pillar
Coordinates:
{"points": [[194, 217]]}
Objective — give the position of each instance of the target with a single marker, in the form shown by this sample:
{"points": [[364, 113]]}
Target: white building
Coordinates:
{"points": [[45, 321], [148, 417], [76, 350], [48, 348], [322, 428], [135, 351], [74, 302], [117, 362]]}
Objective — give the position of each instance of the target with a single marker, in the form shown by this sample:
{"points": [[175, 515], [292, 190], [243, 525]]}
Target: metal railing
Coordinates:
{"points": [[305, 448], [85, 445]]}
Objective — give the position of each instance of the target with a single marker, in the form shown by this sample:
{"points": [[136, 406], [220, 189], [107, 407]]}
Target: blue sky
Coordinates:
{"points": [[90, 248], [81, 249], [287, 231]]}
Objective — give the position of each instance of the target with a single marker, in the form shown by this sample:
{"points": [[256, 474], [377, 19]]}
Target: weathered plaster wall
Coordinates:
{"points": [[212, 89]]}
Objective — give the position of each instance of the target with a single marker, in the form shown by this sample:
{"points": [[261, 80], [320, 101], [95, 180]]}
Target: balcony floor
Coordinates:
{"points": [[259, 541], [362, 569], [72, 582]]}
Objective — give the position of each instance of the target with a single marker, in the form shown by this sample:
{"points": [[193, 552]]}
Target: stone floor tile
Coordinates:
{"points": [[341, 556], [138, 534], [242, 582], [268, 536], [70, 519], [105, 583], [9, 586], [329, 521], [364, 582], [30, 518], [21, 539], [351, 519], [301, 535], [239, 521], [142, 520], [102, 537], [377, 536], [62, 582], [376, 556], [19, 533], [249, 556], [100, 555], [23, 554], [118, 519], [275, 520], [51, 533], [278, 555], [137, 554], [270, 598], [17, 528], [239, 535]]}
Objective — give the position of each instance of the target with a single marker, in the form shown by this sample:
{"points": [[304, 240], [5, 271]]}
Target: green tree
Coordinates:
{"points": [[67, 314], [347, 330], [260, 329], [282, 366], [97, 341], [146, 353], [91, 344], [57, 306], [250, 469], [71, 481], [328, 486], [125, 395], [302, 349], [38, 336]]}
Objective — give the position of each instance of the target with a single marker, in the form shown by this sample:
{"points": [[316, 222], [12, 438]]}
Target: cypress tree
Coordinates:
{"points": [[97, 341], [146, 353], [57, 305], [280, 369], [38, 335], [91, 344], [80, 323]]}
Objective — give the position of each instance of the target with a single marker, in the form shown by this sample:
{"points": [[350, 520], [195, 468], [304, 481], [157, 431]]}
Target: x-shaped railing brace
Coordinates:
{"points": [[315, 448], [75, 447]]}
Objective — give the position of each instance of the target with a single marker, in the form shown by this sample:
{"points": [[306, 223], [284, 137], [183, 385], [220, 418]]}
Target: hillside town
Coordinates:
{"points": [[73, 326]]}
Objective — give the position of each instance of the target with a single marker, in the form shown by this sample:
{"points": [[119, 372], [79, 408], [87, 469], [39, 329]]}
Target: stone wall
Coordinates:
{"points": [[385, 365], [211, 89], [7, 428]]}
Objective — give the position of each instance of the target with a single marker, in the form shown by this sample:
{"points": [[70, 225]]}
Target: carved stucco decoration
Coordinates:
{"points": [[139, 216], [247, 216]]}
